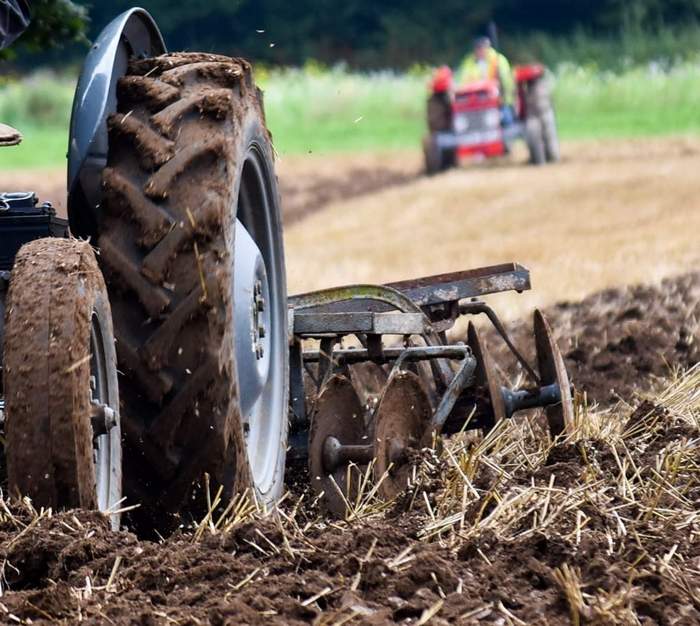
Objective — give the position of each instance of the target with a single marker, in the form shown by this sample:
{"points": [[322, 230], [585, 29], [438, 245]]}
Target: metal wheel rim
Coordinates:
{"points": [[264, 423], [102, 444]]}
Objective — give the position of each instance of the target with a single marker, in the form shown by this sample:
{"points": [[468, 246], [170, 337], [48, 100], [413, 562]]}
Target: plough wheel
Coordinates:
{"points": [[63, 441], [485, 375], [369, 380], [339, 415], [402, 418], [560, 416], [191, 245]]}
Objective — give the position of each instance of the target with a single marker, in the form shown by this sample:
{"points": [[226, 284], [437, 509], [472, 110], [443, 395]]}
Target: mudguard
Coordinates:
{"points": [[134, 33]]}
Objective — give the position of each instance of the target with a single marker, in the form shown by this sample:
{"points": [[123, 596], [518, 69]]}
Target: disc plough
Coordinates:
{"points": [[425, 387]]}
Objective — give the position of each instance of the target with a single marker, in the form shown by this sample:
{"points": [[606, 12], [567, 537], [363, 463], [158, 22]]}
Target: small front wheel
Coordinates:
{"points": [[437, 159], [63, 438]]}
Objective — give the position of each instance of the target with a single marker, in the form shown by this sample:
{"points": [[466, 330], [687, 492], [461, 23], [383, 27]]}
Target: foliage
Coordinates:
{"points": [[54, 23], [317, 109], [400, 33]]}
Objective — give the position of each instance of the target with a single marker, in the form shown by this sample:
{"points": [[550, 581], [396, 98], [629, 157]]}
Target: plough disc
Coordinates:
{"points": [[368, 380], [560, 416], [485, 375], [401, 420], [338, 417]]}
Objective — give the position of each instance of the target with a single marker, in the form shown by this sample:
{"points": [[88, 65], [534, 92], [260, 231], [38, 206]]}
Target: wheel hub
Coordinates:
{"points": [[252, 321], [258, 308]]}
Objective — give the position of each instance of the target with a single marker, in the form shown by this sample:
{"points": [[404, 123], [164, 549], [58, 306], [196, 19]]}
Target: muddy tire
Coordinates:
{"points": [[59, 363], [550, 136], [199, 296], [541, 126], [534, 138], [439, 112]]}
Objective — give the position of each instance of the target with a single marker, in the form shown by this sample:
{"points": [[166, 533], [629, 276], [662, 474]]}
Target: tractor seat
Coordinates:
{"points": [[9, 136]]}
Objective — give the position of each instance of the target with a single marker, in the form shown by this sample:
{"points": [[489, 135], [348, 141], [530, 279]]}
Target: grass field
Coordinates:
{"points": [[314, 110]]}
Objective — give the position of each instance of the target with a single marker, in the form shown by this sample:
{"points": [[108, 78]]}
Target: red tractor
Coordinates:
{"points": [[467, 122]]}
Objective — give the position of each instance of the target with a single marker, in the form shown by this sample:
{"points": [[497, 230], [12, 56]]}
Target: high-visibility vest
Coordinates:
{"points": [[495, 68]]}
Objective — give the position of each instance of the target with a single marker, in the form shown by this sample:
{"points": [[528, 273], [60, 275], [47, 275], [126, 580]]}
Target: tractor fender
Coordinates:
{"points": [[134, 33]]}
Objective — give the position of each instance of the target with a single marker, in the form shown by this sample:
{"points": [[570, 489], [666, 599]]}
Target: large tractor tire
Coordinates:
{"points": [[550, 136], [541, 132], [534, 137], [191, 244], [63, 441]]}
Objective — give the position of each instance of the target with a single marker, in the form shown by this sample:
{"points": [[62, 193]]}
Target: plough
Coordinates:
{"points": [[423, 385]]}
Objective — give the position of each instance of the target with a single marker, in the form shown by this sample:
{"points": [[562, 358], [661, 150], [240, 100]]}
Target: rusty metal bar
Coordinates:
{"points": [[412, 354], [462, 379], [456, 286], [474, 308], [420, 292], [389, 323], [375, 298]]}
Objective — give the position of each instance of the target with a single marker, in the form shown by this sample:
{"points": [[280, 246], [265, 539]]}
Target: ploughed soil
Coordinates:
{"points": [[606, 530], [618, 342]]}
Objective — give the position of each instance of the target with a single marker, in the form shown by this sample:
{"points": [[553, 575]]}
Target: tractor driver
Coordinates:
{"points": [[486, 63]]}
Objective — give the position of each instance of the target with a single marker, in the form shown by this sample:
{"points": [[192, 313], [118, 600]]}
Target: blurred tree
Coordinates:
{"points": [[370, 33], [53, 23]]}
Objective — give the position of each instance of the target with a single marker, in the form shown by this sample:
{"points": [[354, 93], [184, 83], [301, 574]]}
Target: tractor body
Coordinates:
{"points": [[23, 219], [468, 121]]}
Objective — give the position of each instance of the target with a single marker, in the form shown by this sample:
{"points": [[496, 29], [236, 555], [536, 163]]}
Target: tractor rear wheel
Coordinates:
{"points": [[534, 136], [191, 245], [541, 125], [60, 379]]}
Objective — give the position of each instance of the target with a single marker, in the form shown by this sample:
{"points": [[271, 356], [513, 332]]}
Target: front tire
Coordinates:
{"points": [[59, 369], [191, 244], [437, 159]]}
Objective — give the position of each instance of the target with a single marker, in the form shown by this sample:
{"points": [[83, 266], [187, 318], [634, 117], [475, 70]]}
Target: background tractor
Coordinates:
{"points": [[171, 177], [466, 121]]}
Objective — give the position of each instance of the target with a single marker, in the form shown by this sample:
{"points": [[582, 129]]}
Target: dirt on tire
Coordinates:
{"points": [[46, 378], [166, 247]]}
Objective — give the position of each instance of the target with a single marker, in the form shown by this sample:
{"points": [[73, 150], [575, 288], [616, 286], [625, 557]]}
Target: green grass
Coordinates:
{"points": [[315, 111], [41, 147], [320, 111], [638, 102]]}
